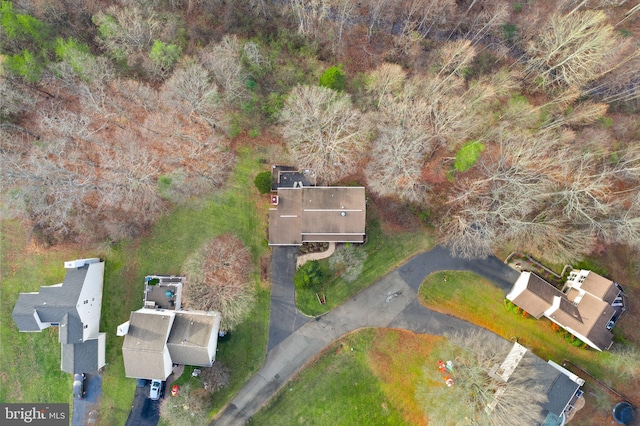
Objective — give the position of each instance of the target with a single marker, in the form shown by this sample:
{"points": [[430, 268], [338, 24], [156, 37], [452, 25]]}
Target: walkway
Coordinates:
{"points": [[390, 302], [316, 255]]}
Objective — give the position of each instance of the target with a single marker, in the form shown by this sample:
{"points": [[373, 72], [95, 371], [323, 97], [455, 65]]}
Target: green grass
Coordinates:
{"points": [[475, 299], [30, 368], [31, 362], [385, 251], [339, 388]]}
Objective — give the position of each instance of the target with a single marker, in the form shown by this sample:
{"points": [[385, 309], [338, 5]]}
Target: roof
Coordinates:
{"points": [[601, 287], [156, 339], [51, 303], [318, 214], [533, 294], [290, 177], [144, 347], [192, 336], [82, 357], [78, 322], [578, 311]]}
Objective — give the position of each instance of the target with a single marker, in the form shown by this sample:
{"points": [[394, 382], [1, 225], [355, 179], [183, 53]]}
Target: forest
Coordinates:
{"points": [[498, 123]]}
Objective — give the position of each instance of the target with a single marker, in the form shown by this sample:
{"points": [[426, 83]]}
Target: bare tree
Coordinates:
{"points": [[188, 408], [348, 260], [190, 90], [478, 396], [574, 49], [219, 279], [324, 132], [215, 377], [223, 61]]}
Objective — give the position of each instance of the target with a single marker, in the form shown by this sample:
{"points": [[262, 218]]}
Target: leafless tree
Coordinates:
{"points": [[477, 396], [188, 408], [190, 90], [223, 61], [348, 260], [309, 14], [215, 377], [574, 49], [219, 279], [324, 132]]}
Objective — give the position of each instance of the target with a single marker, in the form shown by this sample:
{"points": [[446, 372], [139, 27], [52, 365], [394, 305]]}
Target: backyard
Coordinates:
{"points": [[31, 367]]}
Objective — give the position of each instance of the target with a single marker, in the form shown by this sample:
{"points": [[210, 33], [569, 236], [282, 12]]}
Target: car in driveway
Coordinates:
{"points": [[156, 390], [78, 385]]}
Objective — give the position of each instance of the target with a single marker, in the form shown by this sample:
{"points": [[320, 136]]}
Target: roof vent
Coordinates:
{"points": [[343, 213]]}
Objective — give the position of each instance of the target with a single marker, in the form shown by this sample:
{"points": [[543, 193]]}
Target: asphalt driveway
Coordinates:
{"points": [[390, 302], [85, 411]]}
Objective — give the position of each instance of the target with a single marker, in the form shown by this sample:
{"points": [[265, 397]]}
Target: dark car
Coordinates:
{"points": [[78, 385]]}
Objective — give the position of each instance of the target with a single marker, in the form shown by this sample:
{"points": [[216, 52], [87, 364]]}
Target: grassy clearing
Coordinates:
{"points": [[31, 363], [385, 251], [387, 367], [30, 368], [475, 299]]}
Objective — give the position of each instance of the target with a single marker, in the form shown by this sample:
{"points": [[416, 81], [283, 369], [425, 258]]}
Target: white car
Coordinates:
{"points": [[156, 390]]}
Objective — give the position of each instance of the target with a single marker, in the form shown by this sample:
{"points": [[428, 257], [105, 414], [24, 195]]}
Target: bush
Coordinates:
{"points": [[334, 78], [263, 182], [468, 155], [309, 276]]}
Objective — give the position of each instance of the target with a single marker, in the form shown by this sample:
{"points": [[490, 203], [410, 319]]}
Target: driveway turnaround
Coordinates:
{"points": [[390, 302]]}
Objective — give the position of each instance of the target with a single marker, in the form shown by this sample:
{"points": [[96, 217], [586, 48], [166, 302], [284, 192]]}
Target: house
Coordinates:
{"points": [[562, 387], [74, 307], [160, 336], [588, 306], [317, 214]]}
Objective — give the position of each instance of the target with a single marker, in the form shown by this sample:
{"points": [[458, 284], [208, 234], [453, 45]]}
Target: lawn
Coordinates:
{"points": [[475, 299], [385, 251], [31, 363], [368, 377]]}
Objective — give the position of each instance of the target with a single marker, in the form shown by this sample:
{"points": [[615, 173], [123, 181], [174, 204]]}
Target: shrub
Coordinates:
{"points": [[263, 182], [309, 276], [468, 155], [334, 78]]}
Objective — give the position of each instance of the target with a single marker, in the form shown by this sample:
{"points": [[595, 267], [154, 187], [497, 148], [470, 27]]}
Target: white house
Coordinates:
{"points": [[74, 306]]}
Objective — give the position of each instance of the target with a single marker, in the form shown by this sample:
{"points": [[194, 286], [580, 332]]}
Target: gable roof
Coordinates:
{"points": [[156, 339], [144, 348], [578, 311], [318, 214], [59, 305], [83, 357], [193, 338], [533, 294]]}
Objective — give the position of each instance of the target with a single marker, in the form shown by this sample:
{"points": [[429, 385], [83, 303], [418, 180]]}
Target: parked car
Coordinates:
{"points": [[156, 390], [78, 385]]}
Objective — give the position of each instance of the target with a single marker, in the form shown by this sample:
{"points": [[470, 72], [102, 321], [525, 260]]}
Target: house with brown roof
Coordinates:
{"points": [[317, 214], [159, 336], [74, 306], [156, 340], [588, 306]]}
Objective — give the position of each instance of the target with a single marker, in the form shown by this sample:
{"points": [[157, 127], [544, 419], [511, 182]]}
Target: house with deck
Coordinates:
{"points": [[588, 306], [160, 335], [74, 306]]}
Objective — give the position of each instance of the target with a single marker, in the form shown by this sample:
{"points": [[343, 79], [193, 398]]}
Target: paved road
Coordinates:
{"points": [[390, 302], [85, 411]]}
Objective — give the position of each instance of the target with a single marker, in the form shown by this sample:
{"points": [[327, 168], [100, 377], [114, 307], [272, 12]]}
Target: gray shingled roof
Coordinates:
{"points": [[80, 357], [51, 303]]}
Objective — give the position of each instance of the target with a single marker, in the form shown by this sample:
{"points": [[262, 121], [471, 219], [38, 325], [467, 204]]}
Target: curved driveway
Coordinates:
{"points": [[392, 301]]}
